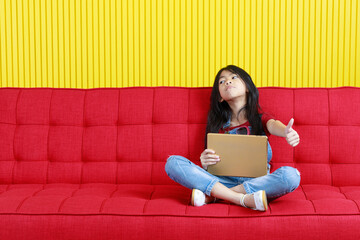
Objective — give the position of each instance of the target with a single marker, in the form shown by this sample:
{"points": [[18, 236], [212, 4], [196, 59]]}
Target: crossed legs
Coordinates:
{"points": [[233, 194]]}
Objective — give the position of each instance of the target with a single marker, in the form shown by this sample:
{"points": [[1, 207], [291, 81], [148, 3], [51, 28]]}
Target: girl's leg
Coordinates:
{"points": [[188, 174], [239, 188], [283, 181], [225, 193]]}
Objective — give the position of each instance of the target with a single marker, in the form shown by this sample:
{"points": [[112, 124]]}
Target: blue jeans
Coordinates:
{"points": [[284, 180]]}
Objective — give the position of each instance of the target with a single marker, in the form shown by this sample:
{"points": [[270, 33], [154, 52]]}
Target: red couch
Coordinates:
{"points": [[89, 164]]}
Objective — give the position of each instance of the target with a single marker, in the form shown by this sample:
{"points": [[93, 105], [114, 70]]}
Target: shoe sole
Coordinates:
{"points": [[265, 200], [192, 197]]}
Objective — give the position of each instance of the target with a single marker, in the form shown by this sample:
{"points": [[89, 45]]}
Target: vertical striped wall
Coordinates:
{"points": [[109, 43]]}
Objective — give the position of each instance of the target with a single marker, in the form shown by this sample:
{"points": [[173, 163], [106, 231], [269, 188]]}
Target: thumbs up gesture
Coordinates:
{"points": [[292, 137]]}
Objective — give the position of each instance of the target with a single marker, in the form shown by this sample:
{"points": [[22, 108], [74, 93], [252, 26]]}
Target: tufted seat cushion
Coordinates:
{"points": [[138, 199]]}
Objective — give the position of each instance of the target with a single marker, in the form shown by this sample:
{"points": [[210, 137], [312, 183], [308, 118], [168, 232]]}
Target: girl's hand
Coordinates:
{"points": [[208, 157], [292, 137]]}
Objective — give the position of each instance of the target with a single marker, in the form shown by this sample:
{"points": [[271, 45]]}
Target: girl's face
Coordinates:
{"points": [[231, 86]]}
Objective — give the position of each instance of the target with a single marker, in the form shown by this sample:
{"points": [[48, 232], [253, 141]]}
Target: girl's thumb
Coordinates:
{"points": [[290, 124]]}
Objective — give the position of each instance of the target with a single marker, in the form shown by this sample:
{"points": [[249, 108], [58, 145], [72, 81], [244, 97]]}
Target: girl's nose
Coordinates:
{"points": [[228, 82]]}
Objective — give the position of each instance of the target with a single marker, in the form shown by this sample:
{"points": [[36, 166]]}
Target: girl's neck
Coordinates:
{"points": [[236, 106]]}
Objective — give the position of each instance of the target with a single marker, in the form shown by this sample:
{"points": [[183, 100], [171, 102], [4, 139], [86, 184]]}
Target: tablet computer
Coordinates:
{"points": [[240, 155]]}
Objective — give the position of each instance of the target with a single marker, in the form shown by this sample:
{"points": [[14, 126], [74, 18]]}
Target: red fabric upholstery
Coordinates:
{"points": [[89, 164]]}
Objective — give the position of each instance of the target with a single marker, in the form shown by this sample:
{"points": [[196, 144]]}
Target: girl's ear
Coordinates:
{"points": [[221, 100]]}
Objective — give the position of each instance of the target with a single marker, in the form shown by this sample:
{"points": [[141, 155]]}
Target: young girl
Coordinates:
{"points": [[234, 109]]}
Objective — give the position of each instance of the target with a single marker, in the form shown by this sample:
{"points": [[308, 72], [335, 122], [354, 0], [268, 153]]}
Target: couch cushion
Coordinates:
{"points": [[157, 200]]}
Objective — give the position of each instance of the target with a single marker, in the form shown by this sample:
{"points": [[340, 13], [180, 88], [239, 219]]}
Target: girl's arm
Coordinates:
{"points": [[277, 128]]}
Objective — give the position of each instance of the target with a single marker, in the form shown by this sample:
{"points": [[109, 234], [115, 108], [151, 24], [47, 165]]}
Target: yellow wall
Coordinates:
{"points": [[96, 43]]}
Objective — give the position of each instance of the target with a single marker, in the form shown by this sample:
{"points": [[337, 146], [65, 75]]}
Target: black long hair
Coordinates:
{"points": [[220, 112]]}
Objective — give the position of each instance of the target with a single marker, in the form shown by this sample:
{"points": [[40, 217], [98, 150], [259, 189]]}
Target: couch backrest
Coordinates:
{"points": [[125, 135], [328, 123]]}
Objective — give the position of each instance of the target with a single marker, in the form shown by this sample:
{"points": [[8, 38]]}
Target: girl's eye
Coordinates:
{"points": [[234, 77], [221, 82]]}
